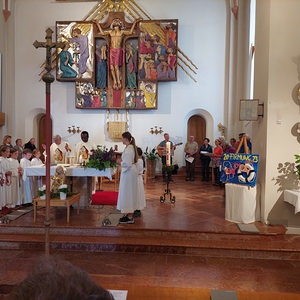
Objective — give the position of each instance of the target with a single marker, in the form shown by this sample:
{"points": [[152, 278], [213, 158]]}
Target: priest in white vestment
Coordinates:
{"points": [[59, 151], [83, 148], [83, 151]]}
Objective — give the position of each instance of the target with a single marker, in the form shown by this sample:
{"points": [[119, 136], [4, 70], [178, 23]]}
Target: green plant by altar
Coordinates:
{"points": [[297, 165], [151, 154]]}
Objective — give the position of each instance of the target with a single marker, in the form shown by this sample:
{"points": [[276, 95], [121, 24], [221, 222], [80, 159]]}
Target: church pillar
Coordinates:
{"points": [[7, 49], [237, 67]]}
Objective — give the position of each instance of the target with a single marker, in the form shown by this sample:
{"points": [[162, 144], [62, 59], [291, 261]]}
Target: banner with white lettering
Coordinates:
{"points": [[239, 168]]}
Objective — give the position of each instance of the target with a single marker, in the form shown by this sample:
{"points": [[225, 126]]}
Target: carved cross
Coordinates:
{"points": [[48, 78]]}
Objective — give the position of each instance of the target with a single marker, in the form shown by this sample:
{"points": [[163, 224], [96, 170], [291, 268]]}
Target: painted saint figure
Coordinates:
{"points": [[83, 42], [66, 61], [101, 74], [116, 52], [131, 66]]}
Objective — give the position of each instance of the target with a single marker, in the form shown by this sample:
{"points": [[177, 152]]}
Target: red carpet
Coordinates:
{"points": [[105, 198]]}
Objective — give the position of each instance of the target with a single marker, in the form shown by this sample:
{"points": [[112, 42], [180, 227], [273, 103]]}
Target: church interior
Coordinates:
{"points": [[213, 55]]}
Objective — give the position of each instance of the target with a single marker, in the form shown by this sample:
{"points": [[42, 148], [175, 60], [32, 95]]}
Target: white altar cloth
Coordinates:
{"points": [[71, 171], [242, 203], [292, 197]]}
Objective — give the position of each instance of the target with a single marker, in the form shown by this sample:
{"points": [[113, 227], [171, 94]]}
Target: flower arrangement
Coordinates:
{"points": [[63, 189], [102, 158], [152, 154], [42, 191]]}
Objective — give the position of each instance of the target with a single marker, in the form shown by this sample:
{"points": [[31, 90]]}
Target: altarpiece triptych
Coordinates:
{"points": [[117, 64]]}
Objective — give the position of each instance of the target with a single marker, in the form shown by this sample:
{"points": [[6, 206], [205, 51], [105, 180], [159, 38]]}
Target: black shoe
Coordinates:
{"points": [[187, 179], [216, 184], [126, 220], [192, 179], [137, 214]]}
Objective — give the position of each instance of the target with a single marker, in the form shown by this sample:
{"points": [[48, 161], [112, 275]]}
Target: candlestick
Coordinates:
{"points": [[168, 153]]}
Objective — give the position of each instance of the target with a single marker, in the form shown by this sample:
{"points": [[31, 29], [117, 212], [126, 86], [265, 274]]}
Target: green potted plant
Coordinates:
{"points": [[297, 165], [63, 191], [42, 192], [151, 154], [151, 158]]}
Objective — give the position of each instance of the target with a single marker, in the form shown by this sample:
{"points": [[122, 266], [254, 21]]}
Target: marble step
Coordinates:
{"points": [[264, 246]]}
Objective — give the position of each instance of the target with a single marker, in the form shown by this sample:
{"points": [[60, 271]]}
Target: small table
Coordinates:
{"points": [[56, 202], [242, 203], [292, 197]]}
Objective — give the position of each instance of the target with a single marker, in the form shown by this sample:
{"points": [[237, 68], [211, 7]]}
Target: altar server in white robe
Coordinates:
{"points": [[127, 197], [6, 167], [59, 151], [36, 181], [17, 182], [2, 182], [83, 148], [141, 191], [27, 186]]}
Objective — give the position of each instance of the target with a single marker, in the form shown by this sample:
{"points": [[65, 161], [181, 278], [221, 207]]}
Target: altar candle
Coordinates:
{"points": [[80, 159], [45, 158], [168, 153]]}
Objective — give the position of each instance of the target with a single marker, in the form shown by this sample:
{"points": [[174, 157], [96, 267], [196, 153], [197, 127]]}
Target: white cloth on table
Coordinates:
{"points": [[292, 197], [141, 192], [127, 197], [242, 203], [71, 171]]}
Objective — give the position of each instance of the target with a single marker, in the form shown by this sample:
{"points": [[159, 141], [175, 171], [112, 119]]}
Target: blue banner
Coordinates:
{"points": [[239, 168]]}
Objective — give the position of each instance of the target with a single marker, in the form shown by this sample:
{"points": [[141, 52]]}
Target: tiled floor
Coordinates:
{"points": [[196, 215]]}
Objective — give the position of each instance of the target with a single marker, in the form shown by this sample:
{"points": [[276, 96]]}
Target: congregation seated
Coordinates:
{"points": [[54, 278]]}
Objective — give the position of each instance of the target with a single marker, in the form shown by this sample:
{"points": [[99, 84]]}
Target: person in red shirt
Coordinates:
{"points": [[216, 162]]}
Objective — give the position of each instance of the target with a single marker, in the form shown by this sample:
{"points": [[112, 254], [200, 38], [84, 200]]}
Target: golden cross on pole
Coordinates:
{"points": [[48, 78]]}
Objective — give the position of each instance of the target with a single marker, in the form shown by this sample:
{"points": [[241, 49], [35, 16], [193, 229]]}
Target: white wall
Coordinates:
{"points": [[203, 44]]}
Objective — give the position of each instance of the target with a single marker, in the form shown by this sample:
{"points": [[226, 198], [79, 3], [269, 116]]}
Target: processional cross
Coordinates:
{"points": [[48, 78]]}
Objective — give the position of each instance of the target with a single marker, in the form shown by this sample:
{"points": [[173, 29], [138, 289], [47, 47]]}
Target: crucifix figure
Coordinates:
{"points": [[116, 51], [48, 78]]}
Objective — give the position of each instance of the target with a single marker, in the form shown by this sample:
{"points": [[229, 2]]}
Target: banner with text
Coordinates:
{"points": [[239, 168]]}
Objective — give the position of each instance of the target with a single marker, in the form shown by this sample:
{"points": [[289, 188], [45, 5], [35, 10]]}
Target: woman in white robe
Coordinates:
{"points": [[127, 197]]}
